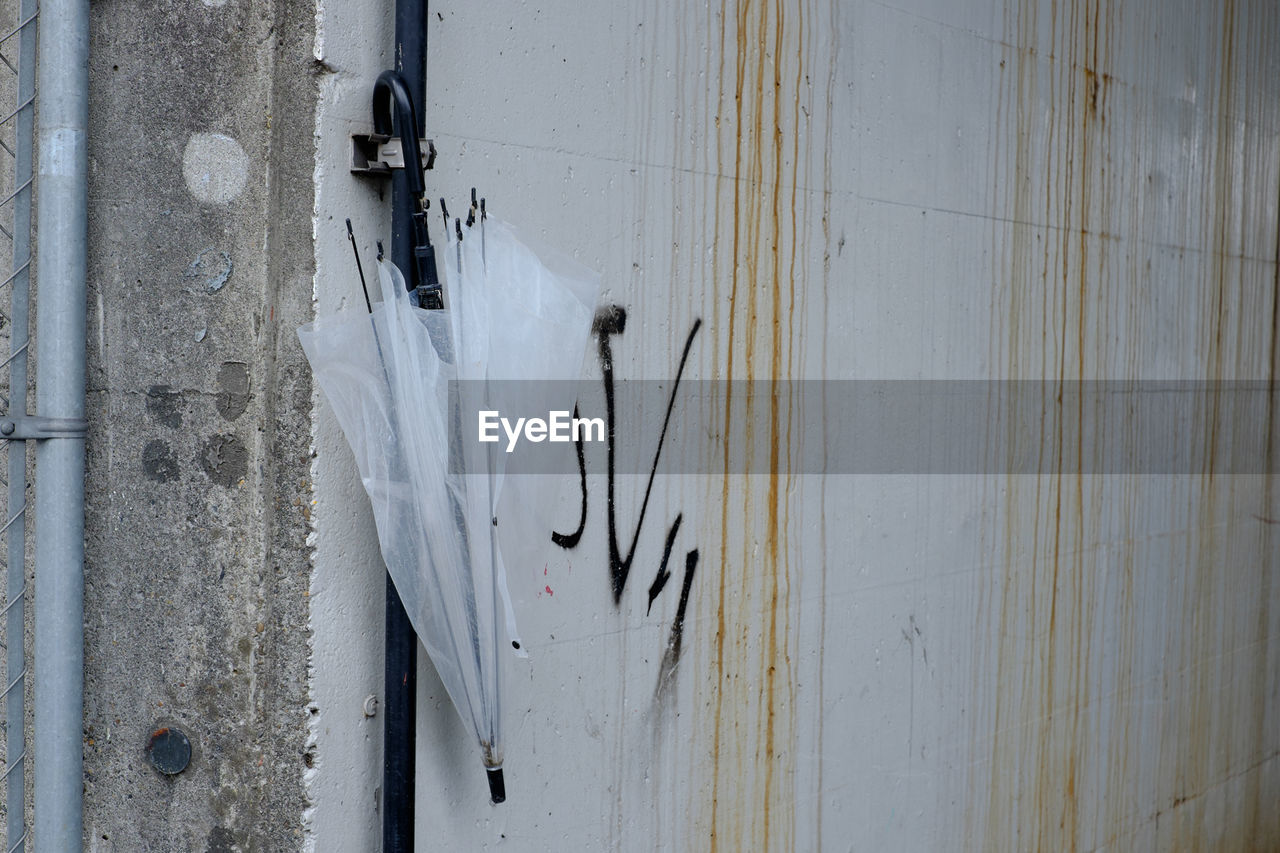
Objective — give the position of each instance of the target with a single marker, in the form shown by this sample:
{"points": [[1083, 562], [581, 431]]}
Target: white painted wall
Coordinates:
{"points": [[903, 189], [347, 587]]}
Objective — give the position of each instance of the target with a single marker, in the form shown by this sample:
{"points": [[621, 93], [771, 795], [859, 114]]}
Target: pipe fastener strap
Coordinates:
{"points": [[29, 428]]}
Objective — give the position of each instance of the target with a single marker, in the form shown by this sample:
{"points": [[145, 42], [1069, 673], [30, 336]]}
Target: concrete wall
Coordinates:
{"points": [[200, 266], [905, 189]]}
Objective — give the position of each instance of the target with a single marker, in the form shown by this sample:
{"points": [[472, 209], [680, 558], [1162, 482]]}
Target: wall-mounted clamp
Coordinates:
{"points": [[31, 428], [377, 154]]}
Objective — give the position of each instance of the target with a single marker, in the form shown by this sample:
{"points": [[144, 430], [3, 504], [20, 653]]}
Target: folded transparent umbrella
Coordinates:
{"points": [[510, 314]]}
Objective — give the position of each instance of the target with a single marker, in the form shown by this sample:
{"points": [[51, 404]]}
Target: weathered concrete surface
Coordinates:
{"points": [[201, 157]]}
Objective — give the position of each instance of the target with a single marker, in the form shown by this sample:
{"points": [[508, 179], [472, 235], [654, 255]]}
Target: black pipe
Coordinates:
{"points": [[399, 725], [401, 674], [411, 62]]}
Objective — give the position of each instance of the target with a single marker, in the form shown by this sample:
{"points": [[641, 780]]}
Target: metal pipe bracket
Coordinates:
{"points": [[33, 428], [376, 154]]}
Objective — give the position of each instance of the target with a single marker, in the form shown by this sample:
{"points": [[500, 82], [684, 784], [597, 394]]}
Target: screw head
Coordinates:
{"points": [[169, 750], [7, 427]]}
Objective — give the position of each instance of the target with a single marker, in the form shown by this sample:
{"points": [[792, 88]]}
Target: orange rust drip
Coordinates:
{"points": [[1051, 594], [1039, 752], [752, 798]]}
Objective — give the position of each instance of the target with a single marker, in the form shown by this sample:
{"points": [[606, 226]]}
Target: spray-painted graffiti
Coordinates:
{"points": [[612, 321]]}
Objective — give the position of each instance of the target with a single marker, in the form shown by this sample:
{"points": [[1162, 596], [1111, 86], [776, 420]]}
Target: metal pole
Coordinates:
{"points": [[401, 674], [411, 62], [60, 365], [16, 587]]}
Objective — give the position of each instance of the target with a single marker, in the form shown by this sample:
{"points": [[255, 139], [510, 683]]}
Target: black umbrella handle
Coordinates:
{"points": [[390, 92]]}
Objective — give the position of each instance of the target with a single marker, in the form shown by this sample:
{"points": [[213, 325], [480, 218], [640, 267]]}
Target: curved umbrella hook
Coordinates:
{"points": [[388, 90]]}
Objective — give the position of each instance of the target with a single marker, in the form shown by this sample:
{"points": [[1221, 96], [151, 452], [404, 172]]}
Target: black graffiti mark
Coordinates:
{"points": [[677, 627], [571, 540], [608, 322], [663, 575], [619, 567], [612, 321], [671, 656]]}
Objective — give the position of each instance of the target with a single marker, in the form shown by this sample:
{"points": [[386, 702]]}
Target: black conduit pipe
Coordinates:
{"points": [[400, 688]]}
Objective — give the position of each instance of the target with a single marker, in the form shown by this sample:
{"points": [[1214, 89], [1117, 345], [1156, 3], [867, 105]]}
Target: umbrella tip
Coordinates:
{"points": [[497, 787]]}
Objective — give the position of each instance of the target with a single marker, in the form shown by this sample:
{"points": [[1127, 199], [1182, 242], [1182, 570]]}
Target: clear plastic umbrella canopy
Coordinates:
{"points": [[510, 314]]}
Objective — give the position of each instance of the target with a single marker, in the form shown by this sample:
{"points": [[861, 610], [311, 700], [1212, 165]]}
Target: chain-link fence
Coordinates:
{"points": [[17, 91]]}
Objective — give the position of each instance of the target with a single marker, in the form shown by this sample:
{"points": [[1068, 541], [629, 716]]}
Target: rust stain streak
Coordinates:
{"points": [[769, 651], [753, 732], [1070, 609], [1046, 617]]}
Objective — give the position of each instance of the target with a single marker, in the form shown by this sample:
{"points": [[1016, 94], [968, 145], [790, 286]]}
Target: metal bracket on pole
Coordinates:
{"points": [[376, 154], [34, 428]]}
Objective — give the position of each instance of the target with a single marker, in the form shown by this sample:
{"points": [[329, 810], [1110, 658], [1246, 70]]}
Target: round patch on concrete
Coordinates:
{"points": [[169, 750], [215, 167]]}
